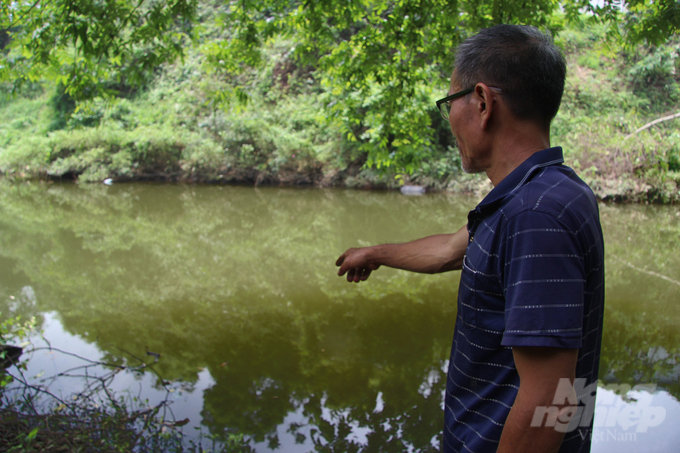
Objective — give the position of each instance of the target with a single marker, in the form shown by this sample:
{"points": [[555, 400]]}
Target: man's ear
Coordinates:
{"points": [[485, 104]]}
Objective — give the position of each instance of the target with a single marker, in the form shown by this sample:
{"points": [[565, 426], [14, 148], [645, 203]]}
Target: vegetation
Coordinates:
{"points": [[380, 61], [274, 93], [609, 95], [32, 418], [175, 129]]}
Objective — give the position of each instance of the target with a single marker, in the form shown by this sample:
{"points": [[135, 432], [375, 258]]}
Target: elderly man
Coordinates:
{"points": [[526, 346]]}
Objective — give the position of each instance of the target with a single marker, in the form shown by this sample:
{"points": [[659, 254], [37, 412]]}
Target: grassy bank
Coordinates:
{"points": [[179, 128]]}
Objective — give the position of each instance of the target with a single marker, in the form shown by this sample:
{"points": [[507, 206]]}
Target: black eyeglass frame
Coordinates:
{"points": [[451, 97]]}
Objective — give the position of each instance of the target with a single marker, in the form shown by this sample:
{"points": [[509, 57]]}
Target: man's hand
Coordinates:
{"points": [[357, 264]]}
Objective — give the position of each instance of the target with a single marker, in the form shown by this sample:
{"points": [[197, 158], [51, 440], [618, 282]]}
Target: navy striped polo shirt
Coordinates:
{"points": [[533, 275]]}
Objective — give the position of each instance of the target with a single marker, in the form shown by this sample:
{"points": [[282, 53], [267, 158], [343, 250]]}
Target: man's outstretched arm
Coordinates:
{"points": [[430, 255]]}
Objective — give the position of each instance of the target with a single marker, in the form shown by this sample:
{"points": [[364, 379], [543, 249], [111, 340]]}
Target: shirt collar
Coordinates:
{"points": [[516, 178]]}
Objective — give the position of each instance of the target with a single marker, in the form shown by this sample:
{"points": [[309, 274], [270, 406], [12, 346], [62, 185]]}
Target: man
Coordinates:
{"points": [[531, 295]]}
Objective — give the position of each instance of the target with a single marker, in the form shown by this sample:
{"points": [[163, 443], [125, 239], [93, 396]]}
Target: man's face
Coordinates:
{"points": [[460, 120]]}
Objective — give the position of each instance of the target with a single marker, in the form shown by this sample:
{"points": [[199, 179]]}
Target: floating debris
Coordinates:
{"points": [[412, 190]]}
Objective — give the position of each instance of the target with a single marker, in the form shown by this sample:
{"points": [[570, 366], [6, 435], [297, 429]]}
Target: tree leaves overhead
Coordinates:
{"points": [[631, 22], [384, 62], [653, 21], [83, 44], [381, 63]]}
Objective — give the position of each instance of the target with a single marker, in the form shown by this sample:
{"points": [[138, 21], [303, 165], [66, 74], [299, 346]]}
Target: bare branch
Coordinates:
{"points": [[648, 125]]}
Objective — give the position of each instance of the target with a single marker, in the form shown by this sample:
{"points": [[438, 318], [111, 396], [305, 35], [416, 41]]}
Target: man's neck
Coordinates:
{"points": [[515, 146]]}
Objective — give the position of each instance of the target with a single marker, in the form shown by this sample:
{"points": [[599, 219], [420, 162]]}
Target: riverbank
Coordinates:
{"points": [[624, 187]]}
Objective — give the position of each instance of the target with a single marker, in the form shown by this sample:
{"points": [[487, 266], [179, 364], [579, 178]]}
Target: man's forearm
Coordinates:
{"points": [[438, 253], [432, 254], [520, 437]]}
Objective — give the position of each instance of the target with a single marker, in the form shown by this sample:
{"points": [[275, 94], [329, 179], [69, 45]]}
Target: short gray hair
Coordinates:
{"points": [[521, 60]]}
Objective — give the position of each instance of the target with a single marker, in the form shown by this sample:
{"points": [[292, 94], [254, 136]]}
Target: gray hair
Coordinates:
{"points": [[521, 60]]}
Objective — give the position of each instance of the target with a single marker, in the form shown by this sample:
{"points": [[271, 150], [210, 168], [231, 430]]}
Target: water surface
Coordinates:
{"points": [[236, 288]]}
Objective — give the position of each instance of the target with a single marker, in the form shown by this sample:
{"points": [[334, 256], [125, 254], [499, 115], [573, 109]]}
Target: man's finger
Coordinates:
{"points": [[340, 260]]}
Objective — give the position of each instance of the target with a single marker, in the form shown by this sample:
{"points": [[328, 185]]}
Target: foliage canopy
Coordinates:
{"points": [[89, 46], [382, 63]]}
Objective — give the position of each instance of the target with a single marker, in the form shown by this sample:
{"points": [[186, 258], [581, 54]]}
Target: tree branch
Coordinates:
{"points": [[648, 125], [26, 13]]}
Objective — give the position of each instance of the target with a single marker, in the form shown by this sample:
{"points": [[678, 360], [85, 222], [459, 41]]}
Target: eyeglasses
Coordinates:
{"points": [[444, 104]]}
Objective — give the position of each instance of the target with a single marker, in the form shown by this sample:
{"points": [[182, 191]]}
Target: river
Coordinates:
{"points": [[230, 297]]}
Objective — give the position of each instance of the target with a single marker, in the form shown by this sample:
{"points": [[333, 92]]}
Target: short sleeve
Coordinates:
{"points": [[543, 280]]}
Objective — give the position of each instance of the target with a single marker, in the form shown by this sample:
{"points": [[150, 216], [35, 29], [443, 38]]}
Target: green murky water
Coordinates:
{"points": [[236, 288]]}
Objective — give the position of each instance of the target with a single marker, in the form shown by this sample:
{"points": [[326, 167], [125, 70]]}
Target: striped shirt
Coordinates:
{"points": [[533, 275]]}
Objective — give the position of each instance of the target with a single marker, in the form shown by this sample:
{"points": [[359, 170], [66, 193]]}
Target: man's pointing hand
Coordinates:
{"points": [[356, 263]]}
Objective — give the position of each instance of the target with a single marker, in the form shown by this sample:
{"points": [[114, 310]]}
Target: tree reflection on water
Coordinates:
{"points": [[241, 282]]}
